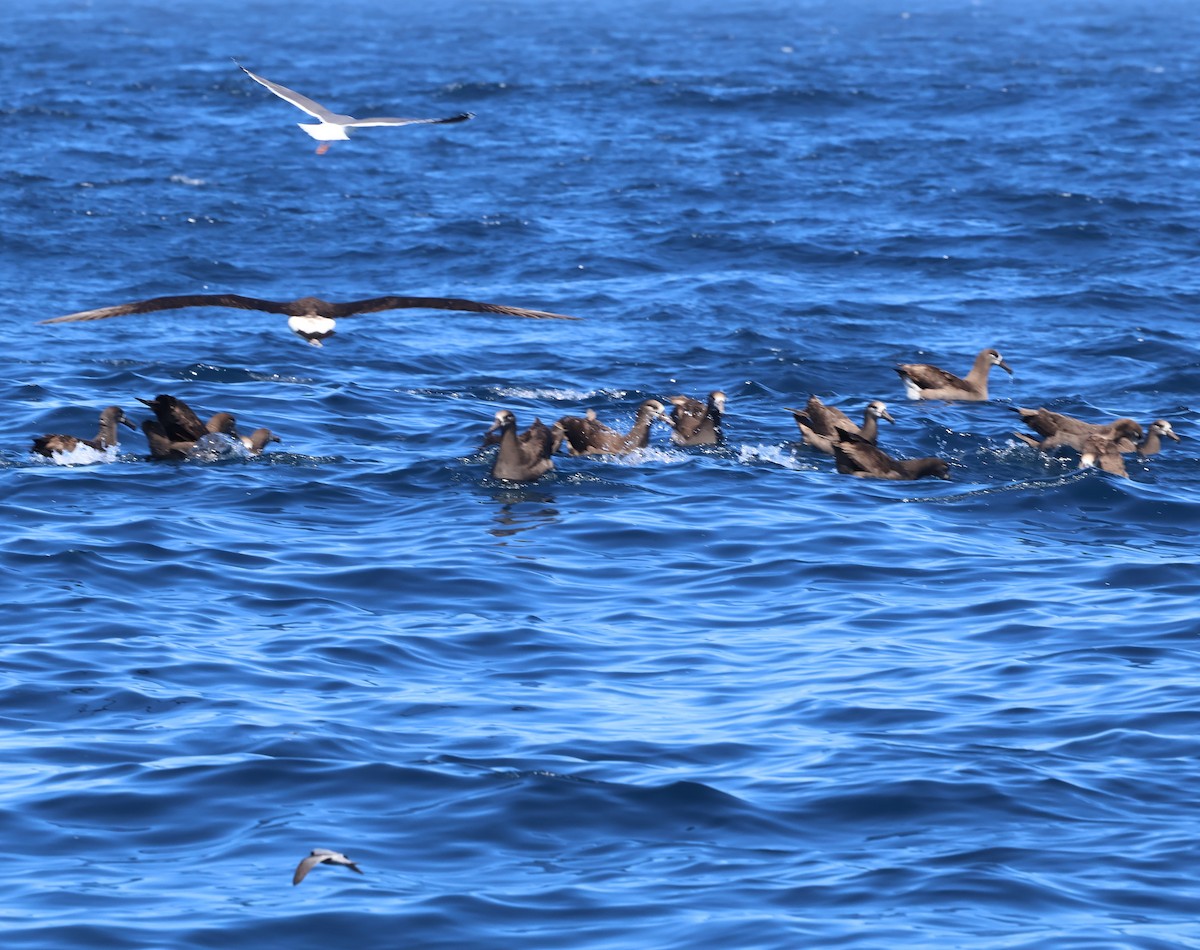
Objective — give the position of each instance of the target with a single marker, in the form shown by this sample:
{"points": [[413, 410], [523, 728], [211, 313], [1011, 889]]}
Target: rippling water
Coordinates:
{"points": [[688, 698]]}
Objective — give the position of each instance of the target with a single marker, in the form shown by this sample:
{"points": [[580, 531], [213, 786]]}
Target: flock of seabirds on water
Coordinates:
{"points": [[176, 432]]}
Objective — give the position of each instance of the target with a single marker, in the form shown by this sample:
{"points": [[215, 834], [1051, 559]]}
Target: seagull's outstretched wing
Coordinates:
{"points": [[375, 304], [305, 866], [236, 301], [367, 123], [315, 109]]}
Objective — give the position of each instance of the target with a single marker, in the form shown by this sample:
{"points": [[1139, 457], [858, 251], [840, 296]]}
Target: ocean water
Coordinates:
{"points": [[688, 698]]}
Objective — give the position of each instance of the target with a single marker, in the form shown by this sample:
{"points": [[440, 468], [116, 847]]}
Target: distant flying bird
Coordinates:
{"points": [[309, 317], [333, 126], [321, 856]]}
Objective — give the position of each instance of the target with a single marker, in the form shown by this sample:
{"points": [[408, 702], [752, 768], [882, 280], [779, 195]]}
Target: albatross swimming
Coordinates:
{"points": [[695, 422], [854, 455], [589, 436], [311, 318], [1058, 430], [176, 432], [524, 457], [922, 381], [819, 423], [50, 445], [332, 126], [1103, 453]]}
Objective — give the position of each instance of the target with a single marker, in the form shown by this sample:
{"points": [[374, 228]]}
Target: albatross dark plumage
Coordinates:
{"points": [[697, 423], [854, 455], [525, 457], [176, 432], [179, 423], [310, 318], [333, 126], [923, 381], [1102, 453], [48, 445], [589, 436], [818, 423], [1058, 430]]}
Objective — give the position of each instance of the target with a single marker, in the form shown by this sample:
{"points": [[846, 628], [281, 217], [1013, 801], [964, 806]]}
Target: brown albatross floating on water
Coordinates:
{"points": [[1104, 454], [923, 381], [176, 432], [695, 422], [47, 445], [854, 455], [309, 317], [590, 436], [1058, 430], [819, 423], [524, 457]]}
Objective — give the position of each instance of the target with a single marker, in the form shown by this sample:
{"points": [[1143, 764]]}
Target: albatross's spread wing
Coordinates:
{"points": [[376, 304], [315, 109], [236, 301]]}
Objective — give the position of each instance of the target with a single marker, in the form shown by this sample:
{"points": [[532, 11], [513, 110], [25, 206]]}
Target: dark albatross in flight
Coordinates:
{"points": [[333, 126], [310, 317]]}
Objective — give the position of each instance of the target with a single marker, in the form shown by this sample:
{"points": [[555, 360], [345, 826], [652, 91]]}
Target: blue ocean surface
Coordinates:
{"points": [[717, 697]]}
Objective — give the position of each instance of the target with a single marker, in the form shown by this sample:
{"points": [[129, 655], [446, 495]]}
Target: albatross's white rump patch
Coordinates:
{"points": [[313, 329]]}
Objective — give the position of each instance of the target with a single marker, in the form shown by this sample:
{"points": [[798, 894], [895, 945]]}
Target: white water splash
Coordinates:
{"points": [[527, 392], [85, 455], [646, 456], [772, 455], [216, 447]]}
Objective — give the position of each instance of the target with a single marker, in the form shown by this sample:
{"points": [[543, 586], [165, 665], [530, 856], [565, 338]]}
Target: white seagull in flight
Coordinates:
{"points": [[334, 127]]}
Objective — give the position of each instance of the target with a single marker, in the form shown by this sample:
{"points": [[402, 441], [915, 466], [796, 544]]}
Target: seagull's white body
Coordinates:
{"points": [[333, 126]]}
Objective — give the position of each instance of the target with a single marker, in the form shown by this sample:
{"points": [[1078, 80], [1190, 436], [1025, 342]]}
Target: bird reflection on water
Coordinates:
{"points": [[522, 510]]}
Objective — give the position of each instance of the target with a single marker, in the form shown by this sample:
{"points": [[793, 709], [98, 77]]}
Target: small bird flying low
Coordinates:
{"points": [[322, 856], [333, 126]]}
